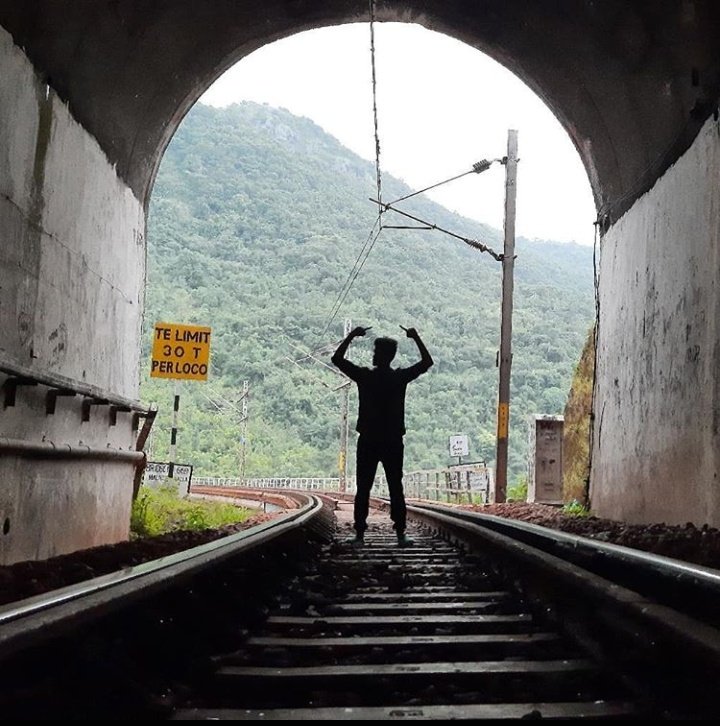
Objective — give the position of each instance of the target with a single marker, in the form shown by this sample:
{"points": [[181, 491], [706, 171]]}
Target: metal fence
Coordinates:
{"points": [[327, 484], [463, 484]]}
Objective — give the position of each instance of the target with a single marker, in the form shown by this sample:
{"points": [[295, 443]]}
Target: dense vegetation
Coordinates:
{"points": [[256, 220], [576, 439], [157, 511]]}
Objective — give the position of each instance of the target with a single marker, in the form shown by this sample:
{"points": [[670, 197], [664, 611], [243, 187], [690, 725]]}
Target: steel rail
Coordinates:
{"points": [[693, 587], [541, 536], [397, 637], [29, 621], [277, 497], [658, 595], [643, 619]]}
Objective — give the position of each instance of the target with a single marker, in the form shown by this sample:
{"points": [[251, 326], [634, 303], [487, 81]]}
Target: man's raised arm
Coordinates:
{"points": [[426, 360], [338, 357]]}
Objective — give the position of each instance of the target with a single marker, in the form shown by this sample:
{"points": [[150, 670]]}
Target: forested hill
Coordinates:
{"points": [[256, 221]]}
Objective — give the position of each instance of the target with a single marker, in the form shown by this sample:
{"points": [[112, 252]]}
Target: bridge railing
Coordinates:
{"points": [[323, 484], [466, 484]]}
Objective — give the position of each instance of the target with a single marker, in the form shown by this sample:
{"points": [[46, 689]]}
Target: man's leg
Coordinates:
{"points": [[367, 461], [392, 459]]}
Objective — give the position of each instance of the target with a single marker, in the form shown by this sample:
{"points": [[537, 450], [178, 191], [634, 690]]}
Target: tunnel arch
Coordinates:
{"points": [[632, 85], [91, 91]]}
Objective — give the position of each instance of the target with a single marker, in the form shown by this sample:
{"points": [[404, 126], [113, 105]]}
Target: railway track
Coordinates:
{"points": [[468, 623], [422, 632]]}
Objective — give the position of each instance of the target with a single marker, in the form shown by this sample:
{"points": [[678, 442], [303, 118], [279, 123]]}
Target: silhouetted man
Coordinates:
{"points": [[381, 423]]}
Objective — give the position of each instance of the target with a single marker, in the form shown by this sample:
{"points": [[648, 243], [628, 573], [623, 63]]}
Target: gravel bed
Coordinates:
{"points": [[688, 542]]}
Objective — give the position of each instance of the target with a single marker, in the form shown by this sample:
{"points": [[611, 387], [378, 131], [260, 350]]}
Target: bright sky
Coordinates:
{"points": [[442, 106]]}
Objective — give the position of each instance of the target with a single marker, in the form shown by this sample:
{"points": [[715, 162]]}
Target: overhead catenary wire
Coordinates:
{"points": [[478, 167], [311, 356], [212, 400], [378, 173], [219, 401], [321, 350], [319, 380], [354, 272], [377, 226]]}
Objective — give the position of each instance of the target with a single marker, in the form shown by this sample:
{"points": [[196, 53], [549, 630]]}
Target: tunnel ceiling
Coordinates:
{"points": [[631, 81]]}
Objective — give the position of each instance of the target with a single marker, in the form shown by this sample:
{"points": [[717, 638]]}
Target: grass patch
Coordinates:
{"points": [[518, 491], [575, 509], [161, 510]]}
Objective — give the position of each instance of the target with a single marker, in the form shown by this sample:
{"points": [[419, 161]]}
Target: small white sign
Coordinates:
{"points": [[157, 471], [459, 445]]}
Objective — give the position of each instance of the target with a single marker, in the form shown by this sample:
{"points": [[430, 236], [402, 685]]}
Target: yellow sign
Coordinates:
{"points": [[180, 351], [503, 420]]}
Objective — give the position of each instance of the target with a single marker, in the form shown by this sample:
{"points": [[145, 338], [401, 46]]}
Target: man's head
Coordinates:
{"points": [[385, 349]]}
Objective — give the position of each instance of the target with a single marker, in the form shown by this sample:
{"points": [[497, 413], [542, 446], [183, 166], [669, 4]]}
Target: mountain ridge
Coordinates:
{"points": [[256, 219]]}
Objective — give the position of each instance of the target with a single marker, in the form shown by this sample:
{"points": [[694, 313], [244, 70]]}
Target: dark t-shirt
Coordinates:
{"points": [[381, 410]]}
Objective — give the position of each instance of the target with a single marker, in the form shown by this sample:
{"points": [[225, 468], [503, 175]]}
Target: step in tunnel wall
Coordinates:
{"points": [[72, 270], [657, 408]]}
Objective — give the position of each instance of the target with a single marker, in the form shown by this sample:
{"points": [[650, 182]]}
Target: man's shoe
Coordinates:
{"points": [[404, 541], [357, 541]]}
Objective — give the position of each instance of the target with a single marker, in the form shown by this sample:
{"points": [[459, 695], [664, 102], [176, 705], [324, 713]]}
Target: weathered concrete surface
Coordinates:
{"points": [[657, 411], [72, 267], [631, 82]]}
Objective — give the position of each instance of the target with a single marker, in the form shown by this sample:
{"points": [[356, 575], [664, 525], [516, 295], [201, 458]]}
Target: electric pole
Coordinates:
{"points": [[243, 429], [344, 403], [505, 362]]}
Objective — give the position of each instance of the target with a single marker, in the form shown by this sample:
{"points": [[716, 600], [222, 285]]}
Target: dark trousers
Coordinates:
{"points": [[370, 453]]}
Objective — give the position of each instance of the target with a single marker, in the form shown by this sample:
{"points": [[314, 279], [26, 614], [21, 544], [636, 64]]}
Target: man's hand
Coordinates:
{"points": [[426, 358], [338, 357]]}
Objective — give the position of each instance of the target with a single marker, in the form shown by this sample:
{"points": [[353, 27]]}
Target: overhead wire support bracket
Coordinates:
{"points": [[312, 357], [477, 168], [305, 370], [471, 242]]}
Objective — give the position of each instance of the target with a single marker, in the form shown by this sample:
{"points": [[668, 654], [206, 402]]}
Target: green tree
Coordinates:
{"points": [[255, 222]]}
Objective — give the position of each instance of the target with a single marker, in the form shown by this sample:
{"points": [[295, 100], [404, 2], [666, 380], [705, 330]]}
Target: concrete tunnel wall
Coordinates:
{"points": [[72, 271], [656, 452]]}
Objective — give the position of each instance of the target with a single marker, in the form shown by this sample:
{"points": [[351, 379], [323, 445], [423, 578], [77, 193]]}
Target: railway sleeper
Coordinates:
{"points": [[393, 638]]}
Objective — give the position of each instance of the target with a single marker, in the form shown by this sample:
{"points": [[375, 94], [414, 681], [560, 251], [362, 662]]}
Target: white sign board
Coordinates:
{"points": [[459, 445], [156, 471]]}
